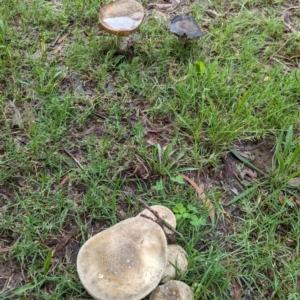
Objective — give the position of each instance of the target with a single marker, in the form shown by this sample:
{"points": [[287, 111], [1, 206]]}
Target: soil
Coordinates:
{"points": [[229, 178], [258, 153], [11, 275]]}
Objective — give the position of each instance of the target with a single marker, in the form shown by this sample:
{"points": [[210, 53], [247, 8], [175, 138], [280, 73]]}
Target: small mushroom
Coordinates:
{"points": [[164, 213], [172, 290], [122, 18], [186, 27], [125, 261], [176, 257]]}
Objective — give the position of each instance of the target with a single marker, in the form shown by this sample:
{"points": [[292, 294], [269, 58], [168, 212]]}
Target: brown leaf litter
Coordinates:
{"points": [[202, 196]]}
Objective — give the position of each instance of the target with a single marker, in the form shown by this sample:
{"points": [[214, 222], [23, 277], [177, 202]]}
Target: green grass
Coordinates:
{"points": [[74, 124]]}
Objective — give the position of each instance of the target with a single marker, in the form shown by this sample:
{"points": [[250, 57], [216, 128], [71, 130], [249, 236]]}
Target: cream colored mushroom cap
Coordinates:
{"points": [[176, 256], [172, 290], [165, 213], [122, 17], [125, 261]]}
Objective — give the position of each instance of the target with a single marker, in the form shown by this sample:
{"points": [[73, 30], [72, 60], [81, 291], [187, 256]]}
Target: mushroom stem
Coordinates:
{"points": [[123, 43], [183, 40]]}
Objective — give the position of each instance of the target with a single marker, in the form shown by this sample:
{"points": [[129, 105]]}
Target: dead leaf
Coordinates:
{"points": [[154, 139], [270, 273], [57, 49], [248, 173], [62, 38], [259, 198], [281, 198], [64, 180], [234, 190], [57, 3], [294, 182], [175, 2], [246, 153], [121, 214], [6, 249], [22, 140], [140, 170], [213, 14], [237, 289], [202, 195], [158, 14], [17, 118], [37, 54], [151, 142], [65, 240], [158, 5], [294, 199], [20, 180], [287, 19], [177, 80], [96, 129], [160, 129]]}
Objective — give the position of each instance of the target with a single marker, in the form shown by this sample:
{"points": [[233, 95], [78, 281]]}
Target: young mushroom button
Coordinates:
{"points": [[164, 213], [177, 261], [125, 261], [122, 18], [172, 290]]}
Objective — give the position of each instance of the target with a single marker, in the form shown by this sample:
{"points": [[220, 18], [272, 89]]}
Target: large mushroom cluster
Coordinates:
{"points": [[129, 260]]}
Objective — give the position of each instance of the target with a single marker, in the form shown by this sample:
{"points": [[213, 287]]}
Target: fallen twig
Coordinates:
{"points": [[65, 240], [64, 180], [5, 249], [74, 158], [277, 51], [158, 5], [290, 8], [160, 220], [213, 14]]}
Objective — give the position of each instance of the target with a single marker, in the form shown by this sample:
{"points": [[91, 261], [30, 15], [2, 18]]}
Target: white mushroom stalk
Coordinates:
{"points": [[124, 43], [122, 18]]}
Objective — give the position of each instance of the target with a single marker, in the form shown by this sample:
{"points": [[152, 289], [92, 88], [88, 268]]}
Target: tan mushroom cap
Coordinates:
{"points": [[165, 213], [125, 261], [172, 290], [122, 17], [176, 257]]}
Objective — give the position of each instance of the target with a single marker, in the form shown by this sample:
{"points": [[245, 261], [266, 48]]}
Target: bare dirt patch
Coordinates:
{"points": [[11, 275], [258, 153]]}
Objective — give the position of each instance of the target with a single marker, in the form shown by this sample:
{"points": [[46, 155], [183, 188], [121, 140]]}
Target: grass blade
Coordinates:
{"points": [[47, 262], [246, 162], [294, 157], [243, 194], [288, 141]]}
